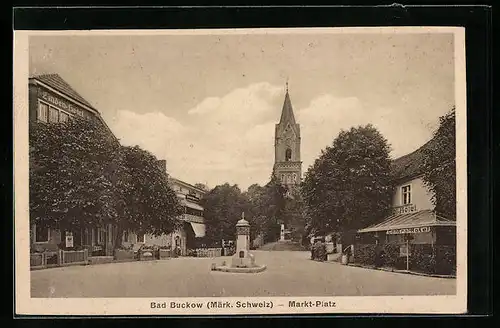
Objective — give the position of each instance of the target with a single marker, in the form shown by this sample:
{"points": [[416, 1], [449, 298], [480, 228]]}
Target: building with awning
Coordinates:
{"points": [[193, 228], [425, 226], [412, 214]]}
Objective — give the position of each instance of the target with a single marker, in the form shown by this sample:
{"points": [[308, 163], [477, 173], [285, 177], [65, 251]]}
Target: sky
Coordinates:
{"points": [[208, 104]]}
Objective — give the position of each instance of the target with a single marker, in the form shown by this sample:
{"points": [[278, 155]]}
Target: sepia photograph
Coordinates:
{"points": [[241, 171]]}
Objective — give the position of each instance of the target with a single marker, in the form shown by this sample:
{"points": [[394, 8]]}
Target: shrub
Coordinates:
{"points": [[390, 254], [445, 259], [422, 258], [319, 251], [364, 254]]}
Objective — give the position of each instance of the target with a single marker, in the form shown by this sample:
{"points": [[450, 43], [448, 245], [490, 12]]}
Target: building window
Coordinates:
{"points": [[43, 111], [100, 235], [406, 194], [288, 154], [63, 117], [42, 234], [294, 177], [53, 115]]}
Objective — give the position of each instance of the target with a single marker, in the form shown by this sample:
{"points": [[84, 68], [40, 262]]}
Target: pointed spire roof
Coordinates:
{"points": [[287, 111]]}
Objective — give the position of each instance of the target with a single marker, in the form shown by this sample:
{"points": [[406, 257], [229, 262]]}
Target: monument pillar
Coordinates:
{"points": [[282, 232], [242, 261], [242, 258]]}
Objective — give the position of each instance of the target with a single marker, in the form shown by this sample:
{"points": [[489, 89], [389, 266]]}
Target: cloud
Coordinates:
{"points": [[231, 138]]}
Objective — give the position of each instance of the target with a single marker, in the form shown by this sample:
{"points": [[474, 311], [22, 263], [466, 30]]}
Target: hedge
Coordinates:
{"points": [[318, 251], [437, 259]]}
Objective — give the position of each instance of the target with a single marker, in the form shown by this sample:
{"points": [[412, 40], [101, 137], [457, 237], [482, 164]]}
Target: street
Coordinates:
{"points": [[289, 273]]}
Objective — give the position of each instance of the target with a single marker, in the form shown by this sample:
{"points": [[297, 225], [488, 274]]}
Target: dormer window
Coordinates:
{"points": [[406, 194]]}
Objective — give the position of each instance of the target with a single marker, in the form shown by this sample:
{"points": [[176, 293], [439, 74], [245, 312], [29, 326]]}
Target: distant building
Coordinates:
{"points": [[287, 164], [287, 167], [412, 210], [193, 221]]}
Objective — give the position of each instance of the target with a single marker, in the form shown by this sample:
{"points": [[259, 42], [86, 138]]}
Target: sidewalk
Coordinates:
{"points": [[402, 271]]}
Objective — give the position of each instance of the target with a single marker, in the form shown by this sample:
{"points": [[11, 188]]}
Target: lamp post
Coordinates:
{"points": [[408, 237]]}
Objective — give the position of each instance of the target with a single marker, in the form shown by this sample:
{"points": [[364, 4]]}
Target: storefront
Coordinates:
{"points": [[422, 227]]}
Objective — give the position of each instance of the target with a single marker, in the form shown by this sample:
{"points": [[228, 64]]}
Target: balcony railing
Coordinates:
{"points": [[193, 218]]}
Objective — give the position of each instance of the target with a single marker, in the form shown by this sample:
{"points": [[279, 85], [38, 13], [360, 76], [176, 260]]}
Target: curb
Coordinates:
{"points": [[257, 269], [404, 272]]}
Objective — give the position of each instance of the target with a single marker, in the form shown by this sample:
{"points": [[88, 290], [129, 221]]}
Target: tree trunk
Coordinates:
{"points": [[117, 241]]}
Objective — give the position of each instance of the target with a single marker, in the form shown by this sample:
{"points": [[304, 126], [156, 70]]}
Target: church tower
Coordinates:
{"points": [[287, 164]]}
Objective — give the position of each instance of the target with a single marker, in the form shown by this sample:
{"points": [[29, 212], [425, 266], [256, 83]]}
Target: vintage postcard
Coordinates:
{"points": [[243, 171]]}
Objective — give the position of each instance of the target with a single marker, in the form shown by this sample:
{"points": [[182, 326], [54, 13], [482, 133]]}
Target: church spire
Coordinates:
{"points": [[287, 111]]}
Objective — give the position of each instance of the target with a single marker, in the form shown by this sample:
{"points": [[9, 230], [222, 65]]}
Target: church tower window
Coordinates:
{"points": [[288, 154]]}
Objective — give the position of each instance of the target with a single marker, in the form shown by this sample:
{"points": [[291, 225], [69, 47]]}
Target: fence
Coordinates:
{"points": [[59, 258], [208, 252], [73, 257]]}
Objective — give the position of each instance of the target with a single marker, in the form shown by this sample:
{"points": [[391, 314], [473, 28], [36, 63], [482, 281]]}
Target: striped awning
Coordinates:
{"points": [[199, 229], [419, 219]]}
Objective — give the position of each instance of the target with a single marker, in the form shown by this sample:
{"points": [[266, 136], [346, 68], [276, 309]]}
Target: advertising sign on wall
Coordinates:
{"points": [[69, 239], [408, 230]]}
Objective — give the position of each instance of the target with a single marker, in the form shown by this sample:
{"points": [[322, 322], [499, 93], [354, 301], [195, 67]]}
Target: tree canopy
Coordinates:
{"points": [[440, 166], [70, 180], [80, 177], [349, 186], [223, 206], [266, 209]]}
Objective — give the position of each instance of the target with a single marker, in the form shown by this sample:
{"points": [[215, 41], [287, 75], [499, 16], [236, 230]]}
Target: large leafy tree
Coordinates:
{"points": [[201, 186], [349, 185], [267, 207], [149, 204], [70, 185], [440, 166], [295, 213], [223, 206], [80, 177]]}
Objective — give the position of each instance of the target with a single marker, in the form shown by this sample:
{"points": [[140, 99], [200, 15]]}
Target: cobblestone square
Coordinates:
{"points": [[289, 273]]}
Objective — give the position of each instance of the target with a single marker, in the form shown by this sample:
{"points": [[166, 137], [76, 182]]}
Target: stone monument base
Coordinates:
{"points": [[255, 269]]}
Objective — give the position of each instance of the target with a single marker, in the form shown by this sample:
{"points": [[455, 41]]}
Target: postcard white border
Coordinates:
{"points": [[24, 304]]}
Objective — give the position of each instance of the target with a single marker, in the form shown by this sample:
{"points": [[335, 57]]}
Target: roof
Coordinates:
{"points": [[412, 164], [287, 111], [57, 82], [410, 220], [174, 180]]}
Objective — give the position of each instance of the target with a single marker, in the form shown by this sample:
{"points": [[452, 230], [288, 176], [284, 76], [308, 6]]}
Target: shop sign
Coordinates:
{"points": [[60, 103], [408, 230], [403, 250], [69, 239], [404, 209]]}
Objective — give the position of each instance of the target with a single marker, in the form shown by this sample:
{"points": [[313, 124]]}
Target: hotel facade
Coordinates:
{"points": [[413, 213], [53, 100]]}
